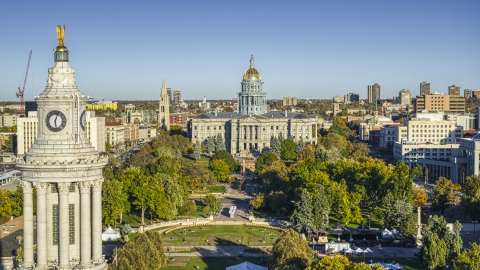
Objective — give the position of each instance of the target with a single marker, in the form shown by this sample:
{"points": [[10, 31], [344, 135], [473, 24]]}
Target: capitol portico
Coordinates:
{"points": [[66, 171]]}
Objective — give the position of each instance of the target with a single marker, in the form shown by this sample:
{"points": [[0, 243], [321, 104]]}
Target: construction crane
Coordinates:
{"points": [[21, 91]]}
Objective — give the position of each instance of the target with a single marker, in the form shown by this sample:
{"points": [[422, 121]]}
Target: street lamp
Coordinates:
{"points": [[368, 221], [474, 221]]}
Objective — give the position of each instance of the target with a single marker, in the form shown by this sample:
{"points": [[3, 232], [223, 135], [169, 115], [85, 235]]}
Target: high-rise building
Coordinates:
{"points": [[405, 97], [289, 101], [177, 97], [373, 93], [252, 99], [454, 90], [164, 108], [66, 172], [350, 97], [424, 88], [467, 93], [170, 94]]}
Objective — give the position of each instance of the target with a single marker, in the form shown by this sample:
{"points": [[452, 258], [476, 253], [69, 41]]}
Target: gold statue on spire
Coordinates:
{"points": [[60, 35]]}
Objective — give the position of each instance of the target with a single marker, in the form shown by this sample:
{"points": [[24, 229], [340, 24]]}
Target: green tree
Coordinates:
{"points": [[321, 209], [290, 251], [437, 242], [178, 155], [287, 149], [114, 201], [280, 138], [275, 146], [277, 200], [471, 201], [444, 195], [144, 195], [199, 175], [108, 147], [212, 202], [435, 253], [197, 152], [9, 144], [258, 202], [219, 144], [142, 158], [420, 197], [168, 196], [220, 169], [336, 262], [457, 243], [210, 144], [145, 253], [302, 216], [225, 156], [264, 160], [188, 207], [468, 258], [408, 226], [175, 130]]}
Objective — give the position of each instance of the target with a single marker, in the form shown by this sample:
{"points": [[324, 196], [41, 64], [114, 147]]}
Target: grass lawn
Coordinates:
{"points": [[221, 236], [202, 160], [212, 263], [217, 189], [408, 263], [195, 214]]}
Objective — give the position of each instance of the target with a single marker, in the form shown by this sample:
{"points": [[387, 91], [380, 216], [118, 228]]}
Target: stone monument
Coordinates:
{"points": [[66, 172]]}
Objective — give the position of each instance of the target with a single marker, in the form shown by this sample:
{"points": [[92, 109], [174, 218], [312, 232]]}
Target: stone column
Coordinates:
{"points": [[97, 220], [27, 224], [63, 226], [85, 231], [42, 224]]}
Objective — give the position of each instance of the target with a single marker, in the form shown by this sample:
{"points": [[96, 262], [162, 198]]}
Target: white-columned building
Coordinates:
{"points": [[252, 127], [66, 171]]}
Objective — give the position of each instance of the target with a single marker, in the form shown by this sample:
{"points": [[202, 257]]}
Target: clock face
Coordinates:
{"points": [[83, 120], [56, 121]]}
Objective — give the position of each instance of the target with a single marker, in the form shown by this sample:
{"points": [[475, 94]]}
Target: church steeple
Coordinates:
{"points": [[164, 107]]}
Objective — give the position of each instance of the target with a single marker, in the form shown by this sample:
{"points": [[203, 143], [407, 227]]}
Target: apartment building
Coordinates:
{"points": [[115, 133]]}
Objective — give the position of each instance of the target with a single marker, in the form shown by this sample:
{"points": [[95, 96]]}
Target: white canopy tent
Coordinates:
{"points": [[246, 266], [110, 235]]}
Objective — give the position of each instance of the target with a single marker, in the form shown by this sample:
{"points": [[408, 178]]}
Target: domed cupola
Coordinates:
{"points": [[252, 74], [252, 99]]}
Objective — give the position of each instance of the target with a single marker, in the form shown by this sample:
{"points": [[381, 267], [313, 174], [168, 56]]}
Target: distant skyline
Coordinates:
{"points": [[309, 49]]}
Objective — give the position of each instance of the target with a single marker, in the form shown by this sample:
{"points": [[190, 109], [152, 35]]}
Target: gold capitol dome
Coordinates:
{"points": [[252, 74]]}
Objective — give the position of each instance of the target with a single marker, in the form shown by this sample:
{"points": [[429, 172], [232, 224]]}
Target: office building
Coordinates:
{"points": [[454, 90], [467, 93], [251, 128], [440, 102], [350, 98], [103, 105], [170, 94], [289, 101], [177, 97], [424, 88], [27, 132], [115, 133], [405, 98], [373, 93], [66, 173], [8, 120]]}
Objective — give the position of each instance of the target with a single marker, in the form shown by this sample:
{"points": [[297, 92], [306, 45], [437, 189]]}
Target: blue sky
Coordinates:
{"points": [[308, 49]]}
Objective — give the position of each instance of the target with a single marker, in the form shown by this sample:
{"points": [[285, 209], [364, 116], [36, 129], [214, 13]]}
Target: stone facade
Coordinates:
{"points": [[252, 128], [67, 172]]}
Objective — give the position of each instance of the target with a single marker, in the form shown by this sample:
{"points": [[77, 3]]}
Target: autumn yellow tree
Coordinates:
{"points": [[420, 197]]}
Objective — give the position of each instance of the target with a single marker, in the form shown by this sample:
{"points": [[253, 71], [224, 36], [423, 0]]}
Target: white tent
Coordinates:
{"points": [[349, 250], [387, 234], [246, 266], [110, 235], [359, 250]]}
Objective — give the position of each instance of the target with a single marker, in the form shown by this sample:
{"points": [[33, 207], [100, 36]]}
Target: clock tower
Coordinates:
{"points": [[66, 172]]}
